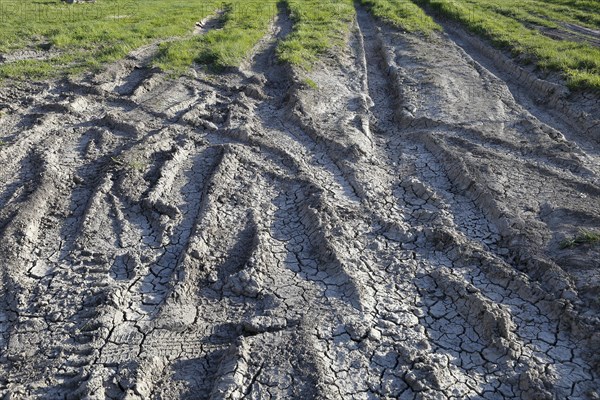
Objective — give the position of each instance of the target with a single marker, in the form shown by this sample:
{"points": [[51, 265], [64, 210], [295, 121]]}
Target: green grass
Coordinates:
{"points": [[590, 6], [244, 23], [544, 13], [403, 14], [310, 83], [319, 26], [84, 36], [584, 236], [134, 164], [502, 22]]}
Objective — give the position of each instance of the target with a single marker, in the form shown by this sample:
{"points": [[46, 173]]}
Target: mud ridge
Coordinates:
{"points": [[572, 108]]}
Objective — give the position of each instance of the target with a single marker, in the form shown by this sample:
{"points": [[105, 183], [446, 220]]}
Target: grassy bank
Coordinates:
{"points": [[41, 39], [402, 14], [242, 25], [318, 27], [504, 23], [79, 37]]}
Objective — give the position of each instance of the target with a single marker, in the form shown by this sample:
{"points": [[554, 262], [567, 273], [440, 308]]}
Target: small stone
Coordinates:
{"points": [[375, 335], [40, 270]]}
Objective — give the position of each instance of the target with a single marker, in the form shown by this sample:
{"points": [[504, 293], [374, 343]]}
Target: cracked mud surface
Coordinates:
{"points": [[393, 234]]}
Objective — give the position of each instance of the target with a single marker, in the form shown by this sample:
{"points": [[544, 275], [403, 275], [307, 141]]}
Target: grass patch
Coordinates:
{"points": [[504, 27], [86, 35], [319, 26], [244, 23], [311, 84], [584, 236], [77, 37], [545, 13], [133, 164], [138, 165], [402, 14]]}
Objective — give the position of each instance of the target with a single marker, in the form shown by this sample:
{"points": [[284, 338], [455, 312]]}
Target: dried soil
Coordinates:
{"points": [[394, 233]]}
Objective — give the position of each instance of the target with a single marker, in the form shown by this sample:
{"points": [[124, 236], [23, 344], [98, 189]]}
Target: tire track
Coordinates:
{"points": [[433, 202]]}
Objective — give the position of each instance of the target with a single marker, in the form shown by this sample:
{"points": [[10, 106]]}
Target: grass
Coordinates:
{"points": [[244, 23], [589, 6], [138, 165], [504, 23], [311, 83], [319, 26], [402, 14], [545, 13], [84, 36], [134, 164], [584, 236]]}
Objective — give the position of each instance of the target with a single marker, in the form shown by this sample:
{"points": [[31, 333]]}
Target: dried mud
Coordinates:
{"points": [[394, 233]]}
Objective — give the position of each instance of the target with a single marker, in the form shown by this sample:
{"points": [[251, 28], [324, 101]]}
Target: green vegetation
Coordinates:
{"points": [[83, 36], [319, 25], [583, 237], [311, 84], [73, 38], [79, 37], [403, 14], [512, 24], [244, 23], [546, 13], [138, 165], [505, 24], [134, 164]]}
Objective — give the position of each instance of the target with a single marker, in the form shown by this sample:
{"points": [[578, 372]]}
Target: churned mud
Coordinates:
{"points": [[394, 232]]}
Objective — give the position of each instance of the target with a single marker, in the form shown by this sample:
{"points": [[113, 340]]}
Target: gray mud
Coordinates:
{"points": [[394, 233]]}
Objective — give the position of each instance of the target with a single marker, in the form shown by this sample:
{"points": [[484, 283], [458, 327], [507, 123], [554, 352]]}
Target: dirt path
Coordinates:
{"points": [[392, 234]]}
